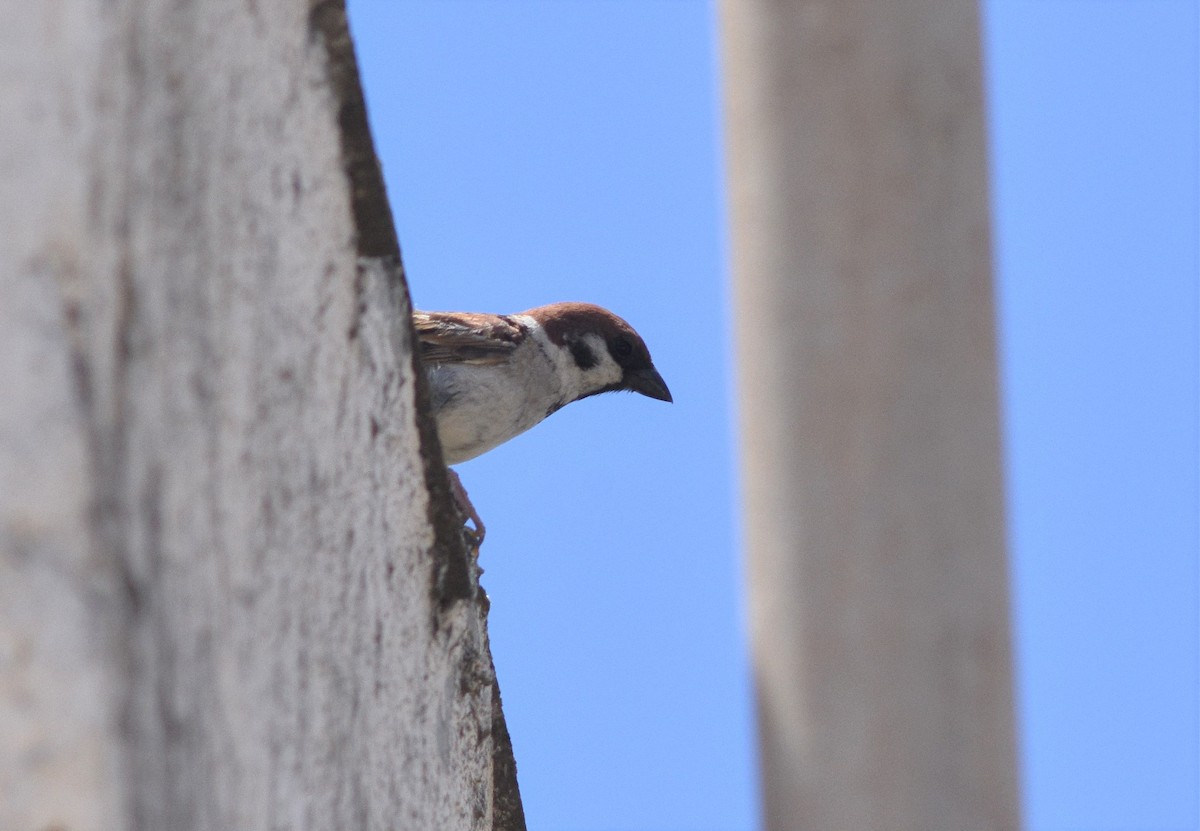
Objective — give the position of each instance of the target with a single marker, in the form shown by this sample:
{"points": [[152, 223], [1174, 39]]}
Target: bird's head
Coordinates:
{"points": [[601, 352]]}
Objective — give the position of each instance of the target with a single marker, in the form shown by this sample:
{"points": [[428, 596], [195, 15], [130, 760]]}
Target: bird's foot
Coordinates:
{"points": [[474, 535]]}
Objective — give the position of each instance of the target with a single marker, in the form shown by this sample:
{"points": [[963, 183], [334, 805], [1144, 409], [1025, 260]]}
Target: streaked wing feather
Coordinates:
{"points": [[462, 338]]}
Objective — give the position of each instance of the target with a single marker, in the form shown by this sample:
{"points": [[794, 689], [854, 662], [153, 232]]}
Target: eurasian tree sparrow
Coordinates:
{"points": [[492, 377]]}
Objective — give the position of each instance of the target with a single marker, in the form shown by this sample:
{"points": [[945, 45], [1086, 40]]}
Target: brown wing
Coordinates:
{"points": [[466, 338]]}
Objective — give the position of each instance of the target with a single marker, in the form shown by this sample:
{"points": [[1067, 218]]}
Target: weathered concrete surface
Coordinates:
{"points": [[874, 511], [225, 601]]}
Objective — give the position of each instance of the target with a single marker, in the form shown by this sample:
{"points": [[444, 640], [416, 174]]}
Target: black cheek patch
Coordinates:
{"points": [[582, 353]]}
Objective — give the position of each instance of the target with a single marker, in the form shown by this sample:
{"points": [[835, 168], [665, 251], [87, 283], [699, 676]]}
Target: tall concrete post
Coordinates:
{"points": [[232, 591], [867, 376]]}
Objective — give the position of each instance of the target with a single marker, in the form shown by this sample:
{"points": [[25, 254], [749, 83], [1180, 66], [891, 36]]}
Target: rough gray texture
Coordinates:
{"points": [[226, 599], [874, 510]]}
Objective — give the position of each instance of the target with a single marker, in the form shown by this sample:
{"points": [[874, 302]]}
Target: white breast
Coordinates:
{"points": [[479, 407]]}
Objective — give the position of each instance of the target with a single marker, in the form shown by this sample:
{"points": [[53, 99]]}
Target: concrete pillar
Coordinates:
{"points": [[228, 599], [866, 360]]}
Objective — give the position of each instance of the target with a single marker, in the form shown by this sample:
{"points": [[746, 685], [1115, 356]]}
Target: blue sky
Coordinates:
{"points": [[570, 149], [1094, 138]]}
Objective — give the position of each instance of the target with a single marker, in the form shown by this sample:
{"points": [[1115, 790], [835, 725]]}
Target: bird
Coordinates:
{"points": [[491, 377]]}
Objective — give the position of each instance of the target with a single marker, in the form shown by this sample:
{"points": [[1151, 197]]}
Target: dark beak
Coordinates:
{"points": [[649, 383]]}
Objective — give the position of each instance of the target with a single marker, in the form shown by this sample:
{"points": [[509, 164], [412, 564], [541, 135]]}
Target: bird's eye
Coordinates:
{"points": [[622, 348]]}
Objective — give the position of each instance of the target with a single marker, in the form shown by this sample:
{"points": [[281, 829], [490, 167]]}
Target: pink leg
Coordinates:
{"points": [[464, 505]]}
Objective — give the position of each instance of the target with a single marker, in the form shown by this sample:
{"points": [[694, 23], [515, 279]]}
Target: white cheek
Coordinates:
{"points": [[574, 382], [606, 372]]}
